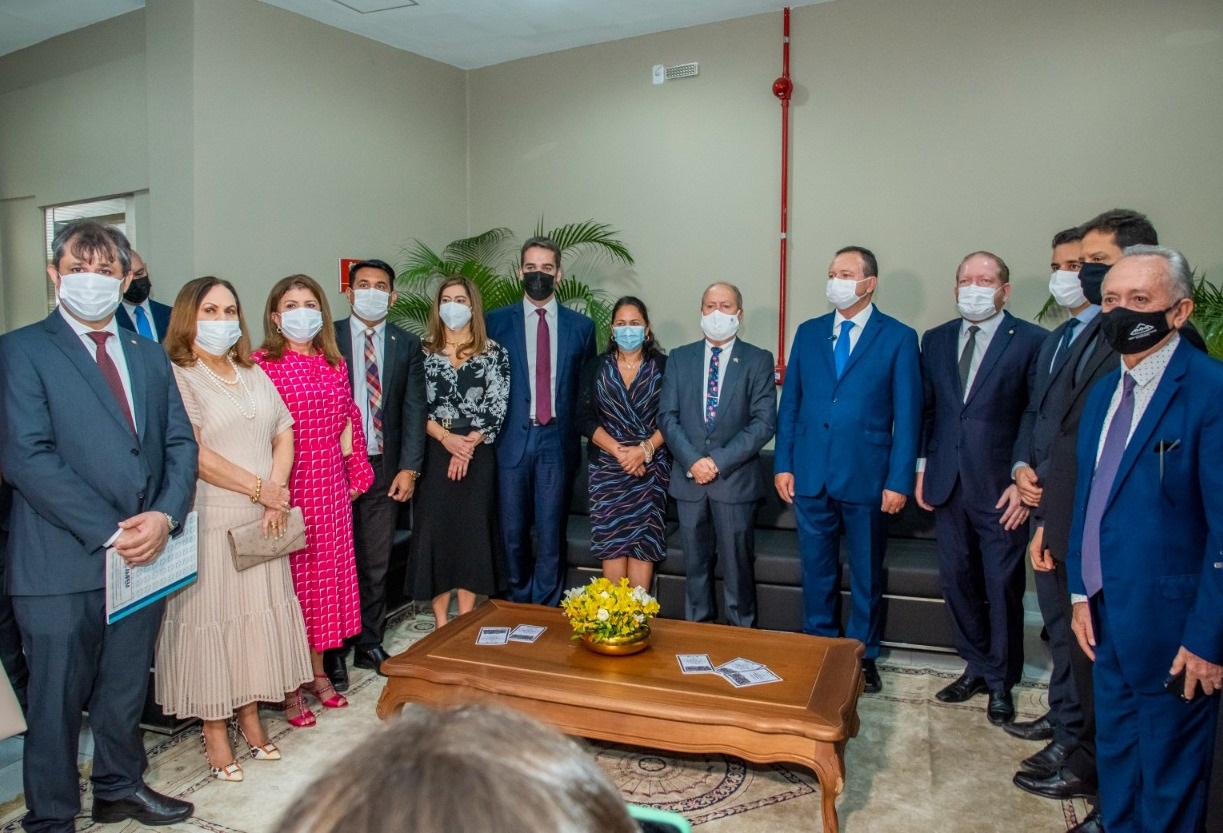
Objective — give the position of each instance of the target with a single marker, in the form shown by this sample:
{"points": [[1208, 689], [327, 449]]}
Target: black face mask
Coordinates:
{"points": [[1091, 278], [539, 286], [138, 290], [1129, 331]]}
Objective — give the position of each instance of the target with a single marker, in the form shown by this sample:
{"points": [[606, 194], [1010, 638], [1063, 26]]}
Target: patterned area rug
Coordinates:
{"points": [[916, 764]]}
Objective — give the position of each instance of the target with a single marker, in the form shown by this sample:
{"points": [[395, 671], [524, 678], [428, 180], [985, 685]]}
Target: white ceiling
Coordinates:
{"points": [[464, 33]]}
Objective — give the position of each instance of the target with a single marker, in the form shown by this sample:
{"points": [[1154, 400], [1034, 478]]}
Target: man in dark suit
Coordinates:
{"points": [[386, 368], [101, 455], [138, 312], [1144, 562], [978, 373], [846, 447], [539, 444], [716, 411], [12, 657]]}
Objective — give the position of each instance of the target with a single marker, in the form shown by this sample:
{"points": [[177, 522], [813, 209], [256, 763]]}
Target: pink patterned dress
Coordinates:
{"points": [[325, 572]]}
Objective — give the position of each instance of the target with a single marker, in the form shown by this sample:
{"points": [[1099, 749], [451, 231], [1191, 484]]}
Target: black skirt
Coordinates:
{"points": [[456, 535]]}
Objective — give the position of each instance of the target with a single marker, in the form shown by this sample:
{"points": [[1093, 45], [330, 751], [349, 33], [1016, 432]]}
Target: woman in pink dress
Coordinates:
{"points": [[300, 355]]}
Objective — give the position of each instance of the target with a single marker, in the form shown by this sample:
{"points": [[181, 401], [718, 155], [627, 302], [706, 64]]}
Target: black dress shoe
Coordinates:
{"points": [[1091, 824], [335, 668], [962, 689], [145, 806], [1061, 784], [1039, 729], [1048, 760], [1001, 708], [370, 658], [871, 675]]}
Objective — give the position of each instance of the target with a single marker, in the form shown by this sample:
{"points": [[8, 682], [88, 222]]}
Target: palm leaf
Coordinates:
{"points": [[411, 311], [1208, 314], [589, 236], [419, 264], [489, 248]]}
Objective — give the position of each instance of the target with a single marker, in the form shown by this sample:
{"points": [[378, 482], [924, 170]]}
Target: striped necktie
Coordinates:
{"points": [[373, 384]]}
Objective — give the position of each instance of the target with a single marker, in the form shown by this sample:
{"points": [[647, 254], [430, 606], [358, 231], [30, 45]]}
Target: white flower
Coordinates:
{"points": [[603, 615], [604, 595], [641, 596], [638, 618]]}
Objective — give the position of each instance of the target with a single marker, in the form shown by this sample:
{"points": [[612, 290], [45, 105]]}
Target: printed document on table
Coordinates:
{"points": [[694, 663], [526, 633], [129, 589], [493, 636]]}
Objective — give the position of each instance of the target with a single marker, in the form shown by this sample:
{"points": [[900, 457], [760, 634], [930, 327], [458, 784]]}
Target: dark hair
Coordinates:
{"points": [[435, 330], [373, 263], [471, 767], [85, 238], [650, 348], [180, 335], [1004, 272], [1070, 235], [870, 266], [1128, 227], [540, 243], [274, 342]]}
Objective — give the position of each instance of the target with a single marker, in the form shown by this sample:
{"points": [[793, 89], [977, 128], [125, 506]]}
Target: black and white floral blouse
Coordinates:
{"points": [[476, 394]]}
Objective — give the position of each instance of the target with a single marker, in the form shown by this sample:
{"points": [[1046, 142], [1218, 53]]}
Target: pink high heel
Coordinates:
{"points": [[335, 701], [297, 713]]}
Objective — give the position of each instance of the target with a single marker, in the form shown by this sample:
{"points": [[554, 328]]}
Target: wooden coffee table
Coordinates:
{"points": [[644, 700]]}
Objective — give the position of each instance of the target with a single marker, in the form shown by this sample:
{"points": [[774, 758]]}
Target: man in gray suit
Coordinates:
{"points": [[100, 454], [718, 409]]}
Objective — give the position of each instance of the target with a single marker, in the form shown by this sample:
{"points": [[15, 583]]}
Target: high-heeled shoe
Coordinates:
{"points": [[230, 772], [265, 752], [335, 701], [297, 713]]}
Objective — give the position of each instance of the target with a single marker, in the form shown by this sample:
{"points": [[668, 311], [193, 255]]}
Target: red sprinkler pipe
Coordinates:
{"points": [[782, 88]]}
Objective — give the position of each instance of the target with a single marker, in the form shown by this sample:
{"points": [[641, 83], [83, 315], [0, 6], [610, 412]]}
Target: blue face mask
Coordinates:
{"points": [[629, 338]]}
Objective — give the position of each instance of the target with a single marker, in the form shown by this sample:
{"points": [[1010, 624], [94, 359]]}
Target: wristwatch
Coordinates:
{"points": [[173, 523]]}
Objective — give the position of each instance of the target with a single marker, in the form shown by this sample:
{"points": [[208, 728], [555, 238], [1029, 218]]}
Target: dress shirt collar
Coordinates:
{"points": [[83, 331], [1151, 369], [859, 320], [360, 327], [1087, 315], [529, 308], [988, 327]]}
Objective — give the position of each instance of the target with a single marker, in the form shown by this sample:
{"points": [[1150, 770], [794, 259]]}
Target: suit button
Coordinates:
{"points": [[706, 442], [140, 495], [834, 399], [825, 425], [135, 452]]}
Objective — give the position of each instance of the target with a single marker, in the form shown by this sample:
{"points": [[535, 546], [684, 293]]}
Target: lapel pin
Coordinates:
{"points": [[735, 360]]}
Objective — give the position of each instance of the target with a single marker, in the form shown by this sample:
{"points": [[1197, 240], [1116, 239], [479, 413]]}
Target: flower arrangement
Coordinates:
{"points": [[602, 610]]}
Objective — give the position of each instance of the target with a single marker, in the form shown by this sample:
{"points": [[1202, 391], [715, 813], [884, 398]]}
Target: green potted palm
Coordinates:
{"points": [[490, 261]]}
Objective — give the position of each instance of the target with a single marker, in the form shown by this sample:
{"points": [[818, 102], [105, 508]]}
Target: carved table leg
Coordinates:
{"points": [[830, 770]]}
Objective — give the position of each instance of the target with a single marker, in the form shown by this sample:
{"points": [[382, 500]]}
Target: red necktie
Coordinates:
{"points": [[111, 374], [543, 370]]}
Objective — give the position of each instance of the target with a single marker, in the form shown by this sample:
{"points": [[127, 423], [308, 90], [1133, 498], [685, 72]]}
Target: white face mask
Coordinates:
{"points": [[301, 324], [454, 315], [216, 337], [718, 325], [842, 292], [1065, 288], [370, 304], [88, 295], [976, 303]]}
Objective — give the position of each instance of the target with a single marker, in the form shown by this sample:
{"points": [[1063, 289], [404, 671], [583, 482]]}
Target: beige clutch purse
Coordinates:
{"points": [[248, 546]]}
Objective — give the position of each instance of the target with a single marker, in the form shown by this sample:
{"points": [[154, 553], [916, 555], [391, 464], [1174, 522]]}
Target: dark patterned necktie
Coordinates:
{"points": [[373, 384], [543, 370], [711, 387], [111, 374]]}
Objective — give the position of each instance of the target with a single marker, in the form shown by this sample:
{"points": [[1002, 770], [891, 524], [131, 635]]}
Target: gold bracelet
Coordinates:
{"points": [[647, 448], [445, 434], [258, 489]]}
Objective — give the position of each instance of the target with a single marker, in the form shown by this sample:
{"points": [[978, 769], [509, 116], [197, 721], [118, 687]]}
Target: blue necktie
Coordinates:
{"points": [[1063, 346], [1102, 485], [711, 387], [142, 324], [840, 352]]}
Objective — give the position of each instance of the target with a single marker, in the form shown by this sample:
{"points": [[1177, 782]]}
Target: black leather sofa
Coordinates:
{"points": [[913, 603]]}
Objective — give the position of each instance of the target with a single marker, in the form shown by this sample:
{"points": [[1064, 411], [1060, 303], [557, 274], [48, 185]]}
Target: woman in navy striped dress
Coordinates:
{"points": [[629, 466]]}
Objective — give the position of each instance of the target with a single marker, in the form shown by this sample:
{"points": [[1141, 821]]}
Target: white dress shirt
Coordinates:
{"points": [[988, 328], [130, 309], [723, 363], [114, 349], [360, 390], [855, 332], [531, 321], [1147, 374]]}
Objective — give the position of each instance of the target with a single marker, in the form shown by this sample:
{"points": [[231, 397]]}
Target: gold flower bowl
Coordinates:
{"points": [[620, 646]]}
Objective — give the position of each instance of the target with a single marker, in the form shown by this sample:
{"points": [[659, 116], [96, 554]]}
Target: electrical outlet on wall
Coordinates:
{"points": [[659, 73]]}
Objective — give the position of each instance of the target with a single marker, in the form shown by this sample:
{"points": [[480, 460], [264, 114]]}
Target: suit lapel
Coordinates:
{"points": [[728, 375], [390, 358], [563, 351], [827, 344], [997, 346], [137, 373], [518, 352], [869, 333], [1167, 388], [63, 337]]}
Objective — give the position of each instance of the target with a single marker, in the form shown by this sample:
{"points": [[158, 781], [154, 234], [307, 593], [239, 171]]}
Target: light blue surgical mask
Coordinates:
{"points": [[629, 338]]}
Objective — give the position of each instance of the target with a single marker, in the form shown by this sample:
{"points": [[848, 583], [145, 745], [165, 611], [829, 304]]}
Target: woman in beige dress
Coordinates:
{"points": [[231, 639]]}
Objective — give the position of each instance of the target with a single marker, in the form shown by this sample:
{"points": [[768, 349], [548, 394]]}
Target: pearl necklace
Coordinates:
{"points": [[238, 380]]}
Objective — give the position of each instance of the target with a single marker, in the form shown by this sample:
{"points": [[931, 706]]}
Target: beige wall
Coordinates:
{"points": [[268, 143], [921, 129]]}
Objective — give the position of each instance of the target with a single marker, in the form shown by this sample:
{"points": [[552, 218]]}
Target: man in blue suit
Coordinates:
{"points": [[846, 445], [978, 374], [1145, 562], [101, 455], [717, 410], [138, 312], [539, 445]]}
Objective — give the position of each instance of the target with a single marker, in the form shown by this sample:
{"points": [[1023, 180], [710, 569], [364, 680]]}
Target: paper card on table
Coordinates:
{"points": [[493, 636], [695, 663], [740, 665], [526, 633], [756, 676], [129, 589]]}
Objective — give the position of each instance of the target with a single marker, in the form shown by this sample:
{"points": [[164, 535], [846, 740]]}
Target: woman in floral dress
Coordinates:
{"points": [[300, 355], [457, 540]]}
